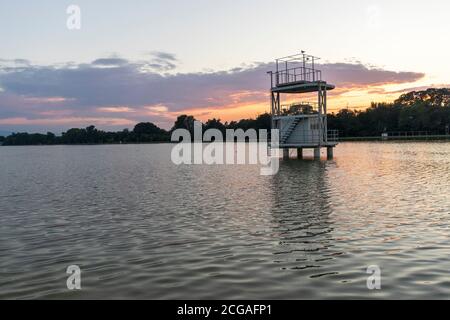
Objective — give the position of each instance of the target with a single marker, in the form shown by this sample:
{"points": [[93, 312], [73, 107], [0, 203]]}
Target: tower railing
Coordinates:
{"points": [[333, 135], [299, 108], [295, 75]]}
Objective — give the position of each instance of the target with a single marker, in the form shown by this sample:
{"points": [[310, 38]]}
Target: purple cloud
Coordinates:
{"points": [[29, 91]]}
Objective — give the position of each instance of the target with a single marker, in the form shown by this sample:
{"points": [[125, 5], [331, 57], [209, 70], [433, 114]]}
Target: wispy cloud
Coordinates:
{"points": [[115, 109], [110, 62], [162, 61]]}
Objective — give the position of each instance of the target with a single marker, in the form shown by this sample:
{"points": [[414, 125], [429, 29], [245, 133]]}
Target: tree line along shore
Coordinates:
{"points": [[425, 111]]}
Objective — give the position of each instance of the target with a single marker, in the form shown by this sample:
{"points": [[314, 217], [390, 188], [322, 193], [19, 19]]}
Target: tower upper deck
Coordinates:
{"points": [[297, 74]]}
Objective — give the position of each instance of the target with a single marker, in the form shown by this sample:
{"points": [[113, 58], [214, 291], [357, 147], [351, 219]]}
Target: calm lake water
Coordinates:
{"points": [[141, 227]]}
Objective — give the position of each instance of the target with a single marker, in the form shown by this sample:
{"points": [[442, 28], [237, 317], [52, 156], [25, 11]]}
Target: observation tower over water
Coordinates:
{"points": [[301, 117]]}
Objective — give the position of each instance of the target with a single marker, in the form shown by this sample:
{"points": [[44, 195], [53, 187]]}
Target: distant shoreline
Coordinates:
{"points": [[431, 138], [396, 138], [86, 144]]}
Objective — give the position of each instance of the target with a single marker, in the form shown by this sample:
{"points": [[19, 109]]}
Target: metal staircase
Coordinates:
{"points": [[289, 131]]}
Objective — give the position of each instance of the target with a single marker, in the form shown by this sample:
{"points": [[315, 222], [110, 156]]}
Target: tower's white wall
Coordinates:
{"points": [[307, 131]]}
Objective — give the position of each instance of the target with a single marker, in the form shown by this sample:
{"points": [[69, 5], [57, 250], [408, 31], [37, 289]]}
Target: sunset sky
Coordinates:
{"points": [[142, 60]]}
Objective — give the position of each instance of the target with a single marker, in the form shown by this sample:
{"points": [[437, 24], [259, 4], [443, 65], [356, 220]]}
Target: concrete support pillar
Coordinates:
{"points": [[285, 154], [330, 153], [316, 153], [300, 153]]}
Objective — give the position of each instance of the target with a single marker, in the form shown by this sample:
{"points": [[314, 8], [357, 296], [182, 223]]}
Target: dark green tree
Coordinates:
{"points": [[432, 97], [149, 132], [215, 124], [184, 122]]}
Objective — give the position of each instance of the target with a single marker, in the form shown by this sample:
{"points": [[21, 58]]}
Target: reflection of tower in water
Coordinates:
{"points": [[300, 211]]}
